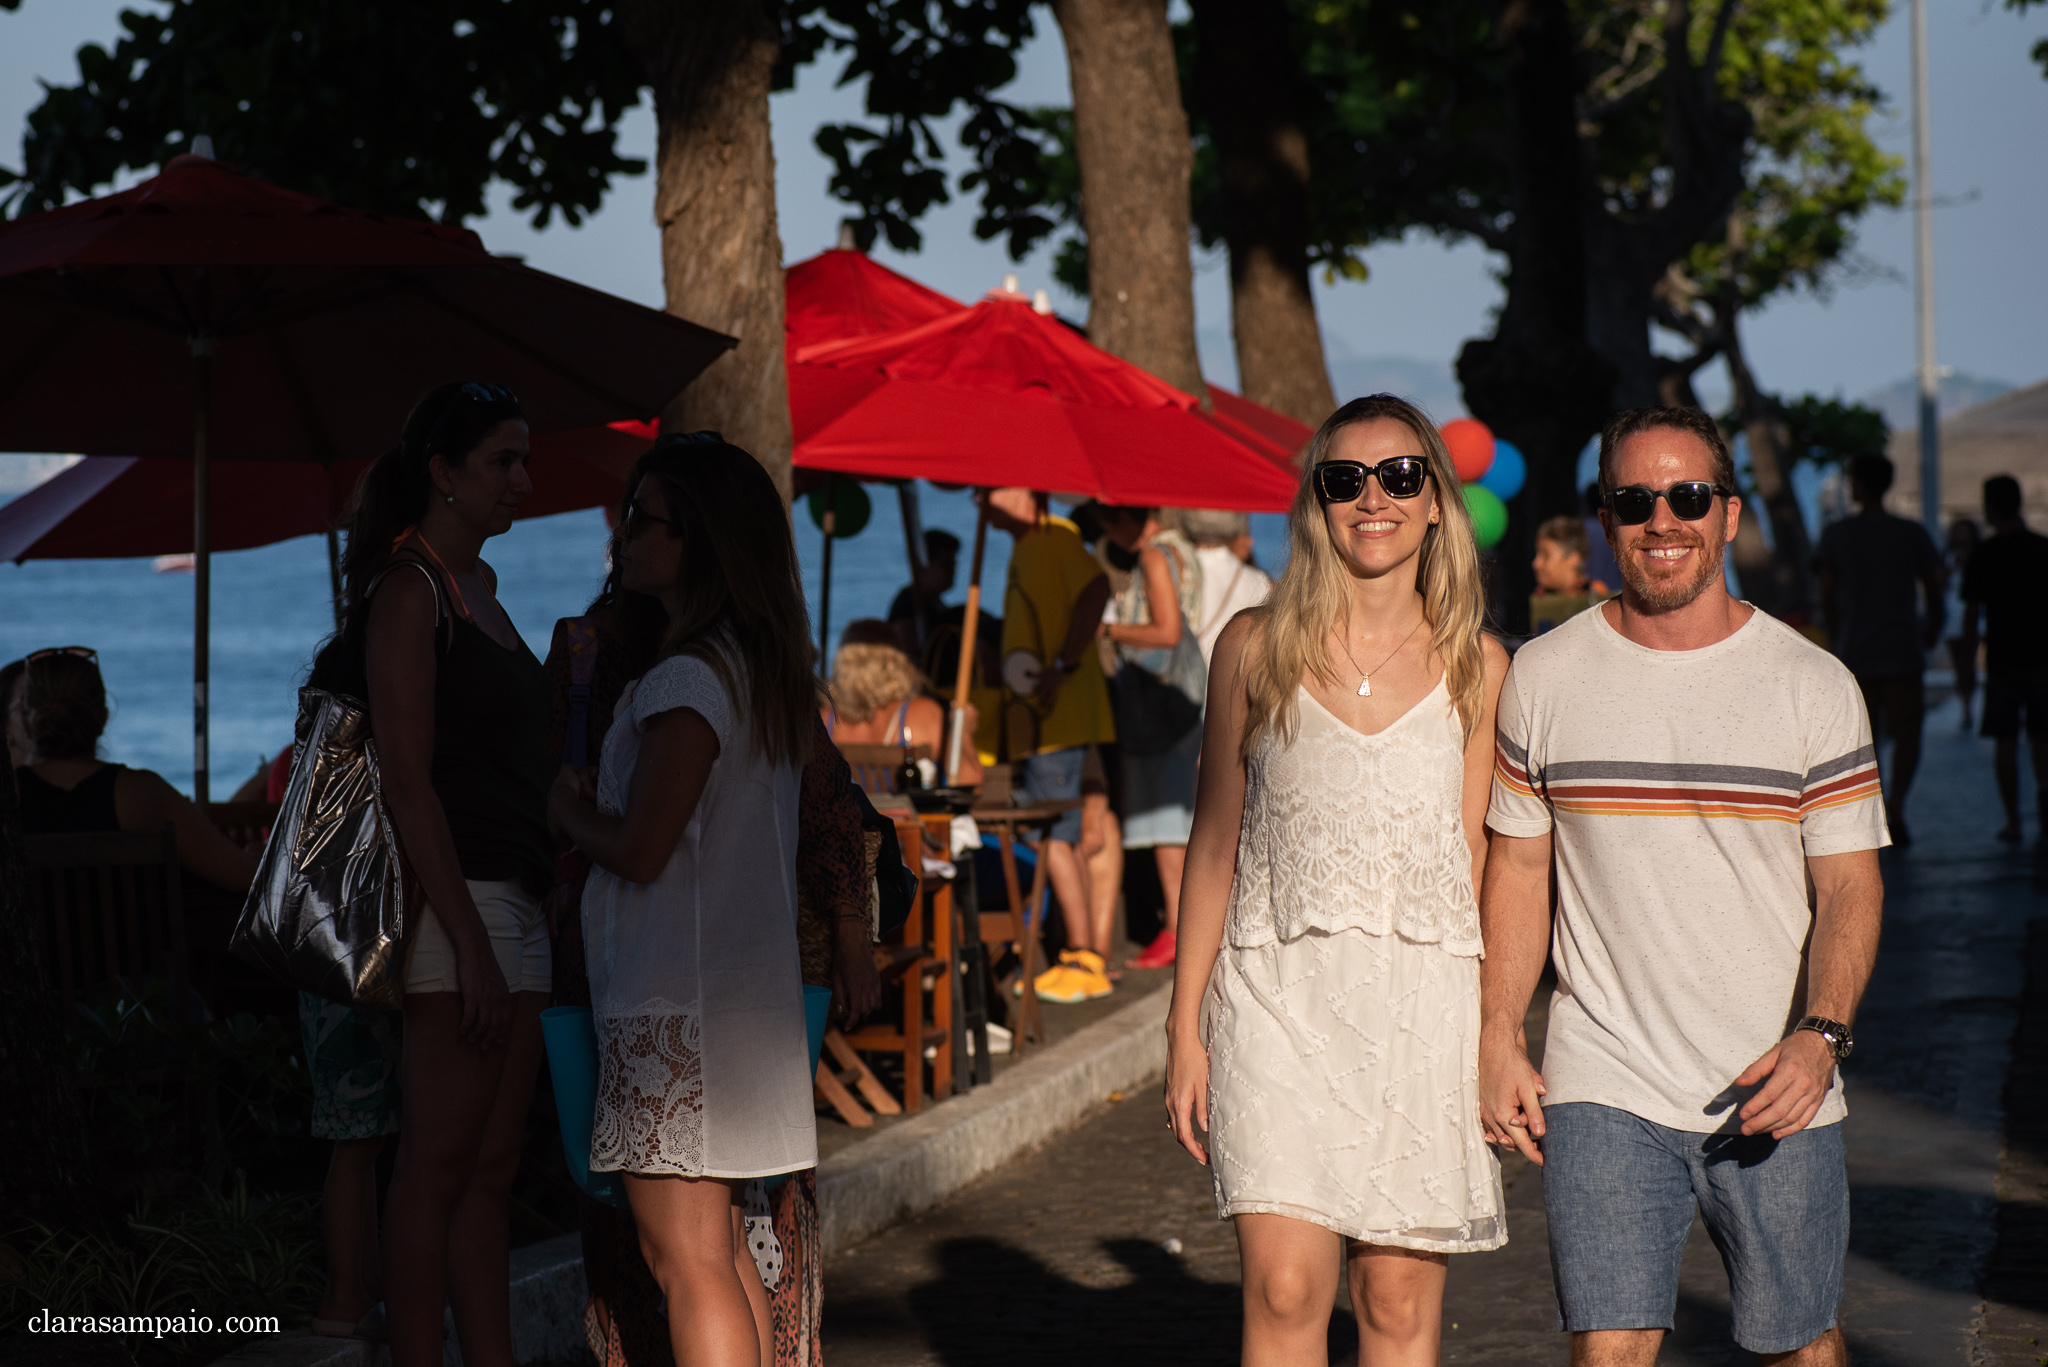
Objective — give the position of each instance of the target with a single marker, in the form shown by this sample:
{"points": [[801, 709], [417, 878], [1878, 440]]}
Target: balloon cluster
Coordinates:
{"points": [[1493, 471]]}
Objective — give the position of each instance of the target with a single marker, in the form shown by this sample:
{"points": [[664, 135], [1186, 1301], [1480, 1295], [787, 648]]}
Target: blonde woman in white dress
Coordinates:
{"points": [[1328, 920]]}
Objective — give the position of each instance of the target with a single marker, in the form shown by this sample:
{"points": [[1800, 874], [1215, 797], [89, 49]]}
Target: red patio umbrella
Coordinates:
{"points": [[112, 506], [206, 315], [845, 293], [1000, 394]]}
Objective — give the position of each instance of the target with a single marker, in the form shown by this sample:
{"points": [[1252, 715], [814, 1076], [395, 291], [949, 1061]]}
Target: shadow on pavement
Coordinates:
{"points": [[995, 1304]]}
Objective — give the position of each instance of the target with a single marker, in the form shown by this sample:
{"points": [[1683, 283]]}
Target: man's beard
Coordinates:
{"points": [[1663, 594]]}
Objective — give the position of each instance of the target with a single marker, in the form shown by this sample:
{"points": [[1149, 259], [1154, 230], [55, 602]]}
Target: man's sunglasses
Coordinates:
{"points": [[1343, 481], [1690, 500]]}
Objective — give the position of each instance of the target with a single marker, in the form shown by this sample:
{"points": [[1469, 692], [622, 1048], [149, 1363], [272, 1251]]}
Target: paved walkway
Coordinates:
{"points": [[1058, 1256]]}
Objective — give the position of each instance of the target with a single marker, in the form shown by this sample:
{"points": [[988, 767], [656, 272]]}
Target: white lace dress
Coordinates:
{"points": [[1344, 1008], [704, 1066]]}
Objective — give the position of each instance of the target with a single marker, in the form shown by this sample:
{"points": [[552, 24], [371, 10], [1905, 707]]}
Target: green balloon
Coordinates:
{"points": [[850, 506], [1489, 515]]}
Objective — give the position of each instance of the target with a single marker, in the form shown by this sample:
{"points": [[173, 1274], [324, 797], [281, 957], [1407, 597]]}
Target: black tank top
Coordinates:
{"points": [[47, 809], [490, 768]]}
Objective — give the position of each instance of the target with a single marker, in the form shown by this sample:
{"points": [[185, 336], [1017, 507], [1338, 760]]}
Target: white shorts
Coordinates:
{"points": [[517, 925]]}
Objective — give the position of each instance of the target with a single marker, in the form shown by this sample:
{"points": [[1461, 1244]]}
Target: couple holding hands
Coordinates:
{"points": [[1386, 804]]}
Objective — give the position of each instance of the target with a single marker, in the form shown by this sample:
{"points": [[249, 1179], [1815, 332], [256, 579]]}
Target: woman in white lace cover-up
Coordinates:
{"points": [[1328, 919], [689, 918]]}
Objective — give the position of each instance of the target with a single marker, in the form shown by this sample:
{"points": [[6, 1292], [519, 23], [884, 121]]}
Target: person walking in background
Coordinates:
{"points": [[1153, 632], [1057, 705], [919, 606], [1870, 565], [1230, 581], [1677, 765], [459, 707], [1328, 922], [690, 914], [1963, 539], [2007, 582], [880, 698]]}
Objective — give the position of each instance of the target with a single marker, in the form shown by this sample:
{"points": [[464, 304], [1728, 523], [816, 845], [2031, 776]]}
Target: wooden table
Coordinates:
{"points": [[1007, 822]]}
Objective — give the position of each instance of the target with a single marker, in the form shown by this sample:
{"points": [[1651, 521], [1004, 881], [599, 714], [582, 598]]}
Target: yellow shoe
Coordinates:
{"points": [[1090, 972], [1061, 984]]}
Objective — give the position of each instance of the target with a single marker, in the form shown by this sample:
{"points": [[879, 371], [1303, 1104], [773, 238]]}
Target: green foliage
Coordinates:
{"points": [[207, 1252], [921, 62], [408, 109], [144, 1064], [1828, 430], [1815, 168], [2040, 50]]}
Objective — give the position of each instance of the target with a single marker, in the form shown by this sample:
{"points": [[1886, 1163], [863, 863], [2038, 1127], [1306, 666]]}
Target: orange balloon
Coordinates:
{"points": [[1471, 445]]}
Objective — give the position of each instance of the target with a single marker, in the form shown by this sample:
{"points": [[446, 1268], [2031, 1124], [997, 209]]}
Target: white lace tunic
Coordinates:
{"points": [[1344, 1007], [704, 1068]]}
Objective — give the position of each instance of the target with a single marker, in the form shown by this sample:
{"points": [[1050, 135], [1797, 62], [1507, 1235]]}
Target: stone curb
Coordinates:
{"points": [[913, 1166], [862, 1190]]}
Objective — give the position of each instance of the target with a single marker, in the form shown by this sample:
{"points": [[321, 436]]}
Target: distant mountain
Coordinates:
{"points": [[1899, 401]]}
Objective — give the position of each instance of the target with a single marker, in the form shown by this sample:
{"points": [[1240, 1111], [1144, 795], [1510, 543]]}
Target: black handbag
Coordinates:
{"points": [[1152, 715]]}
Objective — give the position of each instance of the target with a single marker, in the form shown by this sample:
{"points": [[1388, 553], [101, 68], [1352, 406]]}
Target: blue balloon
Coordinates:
{"points": [[1508, 471]]}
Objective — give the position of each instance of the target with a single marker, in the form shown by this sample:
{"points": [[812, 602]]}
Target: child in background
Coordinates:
{"points": [[1562, 588]]}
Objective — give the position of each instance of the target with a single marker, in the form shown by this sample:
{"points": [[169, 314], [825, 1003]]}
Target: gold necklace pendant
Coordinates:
{"points": [[1364, 686]]}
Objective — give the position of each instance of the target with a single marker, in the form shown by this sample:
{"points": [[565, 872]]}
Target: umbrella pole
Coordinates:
{"points": [[962, 679], [202, 555], [334, 572], [828, 522]]}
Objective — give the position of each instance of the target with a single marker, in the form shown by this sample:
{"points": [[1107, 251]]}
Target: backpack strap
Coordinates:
{"points": [[581, 636]]}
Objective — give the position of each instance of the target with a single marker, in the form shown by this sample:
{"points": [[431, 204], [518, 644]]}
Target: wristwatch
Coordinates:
{"points": [[1060, 664], [1840, 1041]]}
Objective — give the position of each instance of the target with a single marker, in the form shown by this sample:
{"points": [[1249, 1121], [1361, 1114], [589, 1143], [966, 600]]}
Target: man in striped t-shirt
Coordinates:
{"points": [[1684, 762]]}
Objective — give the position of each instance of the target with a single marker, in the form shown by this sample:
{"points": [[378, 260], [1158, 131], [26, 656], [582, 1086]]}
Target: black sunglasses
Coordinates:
{"points": [[638, 519], [1690, 500], [76, 652], [1343, 481]]}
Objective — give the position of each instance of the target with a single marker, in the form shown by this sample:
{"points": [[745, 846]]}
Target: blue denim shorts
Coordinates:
{"points": [[1047, 778], [1620, 1192]]}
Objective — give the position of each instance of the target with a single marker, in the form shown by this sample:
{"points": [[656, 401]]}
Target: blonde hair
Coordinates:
{"points": [[1291, 630], [867, 678]]}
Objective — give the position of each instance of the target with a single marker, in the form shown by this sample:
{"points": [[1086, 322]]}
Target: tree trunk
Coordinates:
{"points": [[42, 1137], [1536, 381], [1788, 581], [710, 63], [1131, 139], [1247, 85]]}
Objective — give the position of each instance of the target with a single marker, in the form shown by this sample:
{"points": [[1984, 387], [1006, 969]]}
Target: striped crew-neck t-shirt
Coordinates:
{"points": [[1684, 790]]}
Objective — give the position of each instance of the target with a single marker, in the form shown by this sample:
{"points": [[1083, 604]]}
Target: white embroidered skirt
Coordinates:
{"points": [[1343, 1090]]}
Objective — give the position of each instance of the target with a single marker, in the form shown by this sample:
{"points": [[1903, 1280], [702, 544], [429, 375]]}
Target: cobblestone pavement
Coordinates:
{"points": [[1057, 1256]]}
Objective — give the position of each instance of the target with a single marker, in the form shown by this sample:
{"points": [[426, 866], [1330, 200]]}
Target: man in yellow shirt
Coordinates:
{"points": [[1052, 610]]}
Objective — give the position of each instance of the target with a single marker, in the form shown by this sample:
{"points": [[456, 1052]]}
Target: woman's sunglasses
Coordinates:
{"points": [[1690, 500], [638, 520], [76, 652], [1343, 481]]}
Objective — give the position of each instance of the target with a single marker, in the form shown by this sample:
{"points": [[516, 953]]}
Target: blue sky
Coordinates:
{"points": [[1423, 299]]}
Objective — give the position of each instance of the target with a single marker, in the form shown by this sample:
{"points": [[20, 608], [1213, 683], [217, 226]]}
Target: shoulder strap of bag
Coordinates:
{"points": [[582, 640], [442, 617], [1223, 606]]}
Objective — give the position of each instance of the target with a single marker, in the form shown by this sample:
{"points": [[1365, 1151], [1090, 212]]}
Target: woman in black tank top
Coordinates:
{"points": [[459, 709]]}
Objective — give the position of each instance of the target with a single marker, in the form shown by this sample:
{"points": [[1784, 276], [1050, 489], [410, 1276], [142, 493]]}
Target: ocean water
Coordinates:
{"points": [[271, 611]]}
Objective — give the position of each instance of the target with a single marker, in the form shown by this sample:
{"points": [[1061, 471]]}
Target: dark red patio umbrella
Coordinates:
{"points": [[206, 315]]}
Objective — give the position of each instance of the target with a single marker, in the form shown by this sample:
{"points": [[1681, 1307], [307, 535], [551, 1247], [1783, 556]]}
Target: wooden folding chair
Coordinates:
{"points": [[111, 909], [925, 947]]}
